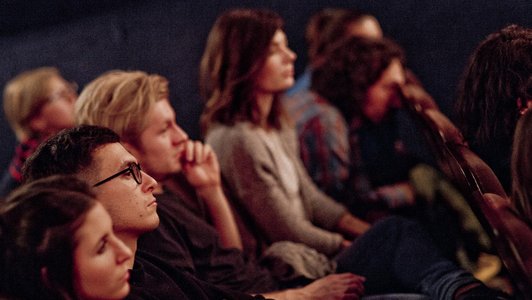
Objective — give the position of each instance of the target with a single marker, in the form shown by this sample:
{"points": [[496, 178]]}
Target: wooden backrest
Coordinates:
{"points": [[466, 169], [512, 239], [510, 235]]}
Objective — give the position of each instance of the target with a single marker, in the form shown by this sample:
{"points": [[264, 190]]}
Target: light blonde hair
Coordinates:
{"points": [[120, 101], [24, 96]]}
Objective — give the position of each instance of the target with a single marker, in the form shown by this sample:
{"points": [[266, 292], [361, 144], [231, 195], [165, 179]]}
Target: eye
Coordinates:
{"points": [[273, 49], [164, 129], [102, 247]]}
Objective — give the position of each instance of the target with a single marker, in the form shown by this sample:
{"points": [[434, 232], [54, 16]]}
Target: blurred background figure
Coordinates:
{"points": [[352, 148], [496, 88], [328, 26], [257, 149], [57, 242], [522, 168], [37, 104], [322, 131]]}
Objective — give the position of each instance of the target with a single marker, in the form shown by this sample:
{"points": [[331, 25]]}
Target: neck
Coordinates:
{"points": [[264, 103], [131, 242]]}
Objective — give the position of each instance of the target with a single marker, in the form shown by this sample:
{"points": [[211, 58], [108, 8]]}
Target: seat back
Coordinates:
{"points": [[512, 238], [455, 159], [510, 235]]}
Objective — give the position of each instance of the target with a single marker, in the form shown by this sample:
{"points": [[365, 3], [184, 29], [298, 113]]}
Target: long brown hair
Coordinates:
{"points": [[498, 74], [38, 223], [522, 167], [236, 50]]}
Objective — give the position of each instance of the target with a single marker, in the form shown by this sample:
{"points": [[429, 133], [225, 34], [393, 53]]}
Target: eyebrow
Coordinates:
{"points": [[126, 164]]}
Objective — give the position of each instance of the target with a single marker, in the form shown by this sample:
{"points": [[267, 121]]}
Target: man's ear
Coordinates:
{"points": [[133, 150]]}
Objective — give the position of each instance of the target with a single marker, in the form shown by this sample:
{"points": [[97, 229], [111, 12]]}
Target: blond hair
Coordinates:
{"points": [[120, 101], [24, 96]]}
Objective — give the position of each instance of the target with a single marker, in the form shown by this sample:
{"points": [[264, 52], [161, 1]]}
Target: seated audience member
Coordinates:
{"points": [[37, 104], [322, 130], [187, 238], [496, 86], [95, 155], [357, 88], [136, 106], [353, 147], [245, 67], [327, 27], [57, 242], [522, 167]]}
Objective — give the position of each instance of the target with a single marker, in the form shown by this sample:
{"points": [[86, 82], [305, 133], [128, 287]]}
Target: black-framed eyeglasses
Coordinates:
{"points": [[133, 168]]}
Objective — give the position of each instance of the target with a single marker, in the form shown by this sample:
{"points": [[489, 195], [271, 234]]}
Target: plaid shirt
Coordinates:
{"points": [[22, 152], [336, 154], [12, 177], [323, 139]]}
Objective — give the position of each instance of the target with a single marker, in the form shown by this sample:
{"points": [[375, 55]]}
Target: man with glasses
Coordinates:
{"points": [[95, 155], [136, 106]]}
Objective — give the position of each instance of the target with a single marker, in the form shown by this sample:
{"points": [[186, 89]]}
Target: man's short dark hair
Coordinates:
{"points": [[70, 152]]}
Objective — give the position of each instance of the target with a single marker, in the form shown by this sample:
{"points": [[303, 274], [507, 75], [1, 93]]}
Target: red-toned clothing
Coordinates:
{"points": [[12, 177]]}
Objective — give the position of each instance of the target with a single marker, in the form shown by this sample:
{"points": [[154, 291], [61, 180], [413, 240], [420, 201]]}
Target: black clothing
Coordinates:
{"points": [[151, 282], [186, 241]]}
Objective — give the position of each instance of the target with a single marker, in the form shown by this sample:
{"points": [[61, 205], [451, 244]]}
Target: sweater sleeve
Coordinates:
{"points": [[249, 169]]}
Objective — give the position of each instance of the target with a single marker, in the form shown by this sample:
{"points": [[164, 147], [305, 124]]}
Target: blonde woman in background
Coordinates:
{"points": [[37, 104]]}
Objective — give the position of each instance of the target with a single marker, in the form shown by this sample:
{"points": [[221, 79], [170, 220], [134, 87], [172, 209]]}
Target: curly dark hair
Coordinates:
{"points": [[498, 74], [350, 69]]}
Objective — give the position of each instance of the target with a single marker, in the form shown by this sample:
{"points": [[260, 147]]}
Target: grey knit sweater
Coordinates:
{"points": [[253, 176]]}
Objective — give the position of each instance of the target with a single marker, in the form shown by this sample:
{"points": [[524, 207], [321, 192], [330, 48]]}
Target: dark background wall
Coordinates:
{"points": [[85, 38]]}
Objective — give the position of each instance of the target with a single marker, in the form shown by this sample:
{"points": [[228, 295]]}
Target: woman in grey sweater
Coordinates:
{"points": [[246, 65]]}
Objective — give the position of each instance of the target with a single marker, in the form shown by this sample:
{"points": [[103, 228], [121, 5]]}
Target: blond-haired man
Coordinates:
{"points": [[197, 232]]}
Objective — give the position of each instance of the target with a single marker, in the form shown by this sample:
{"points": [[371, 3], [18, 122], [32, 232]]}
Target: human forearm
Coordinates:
{"points": [[335, 286], [352, 226], [396, 195], [221, 215]]}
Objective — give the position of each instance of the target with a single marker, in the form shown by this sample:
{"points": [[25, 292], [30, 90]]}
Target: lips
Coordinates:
{"points": [[289, 72], [126, 276], [152, 203]]}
